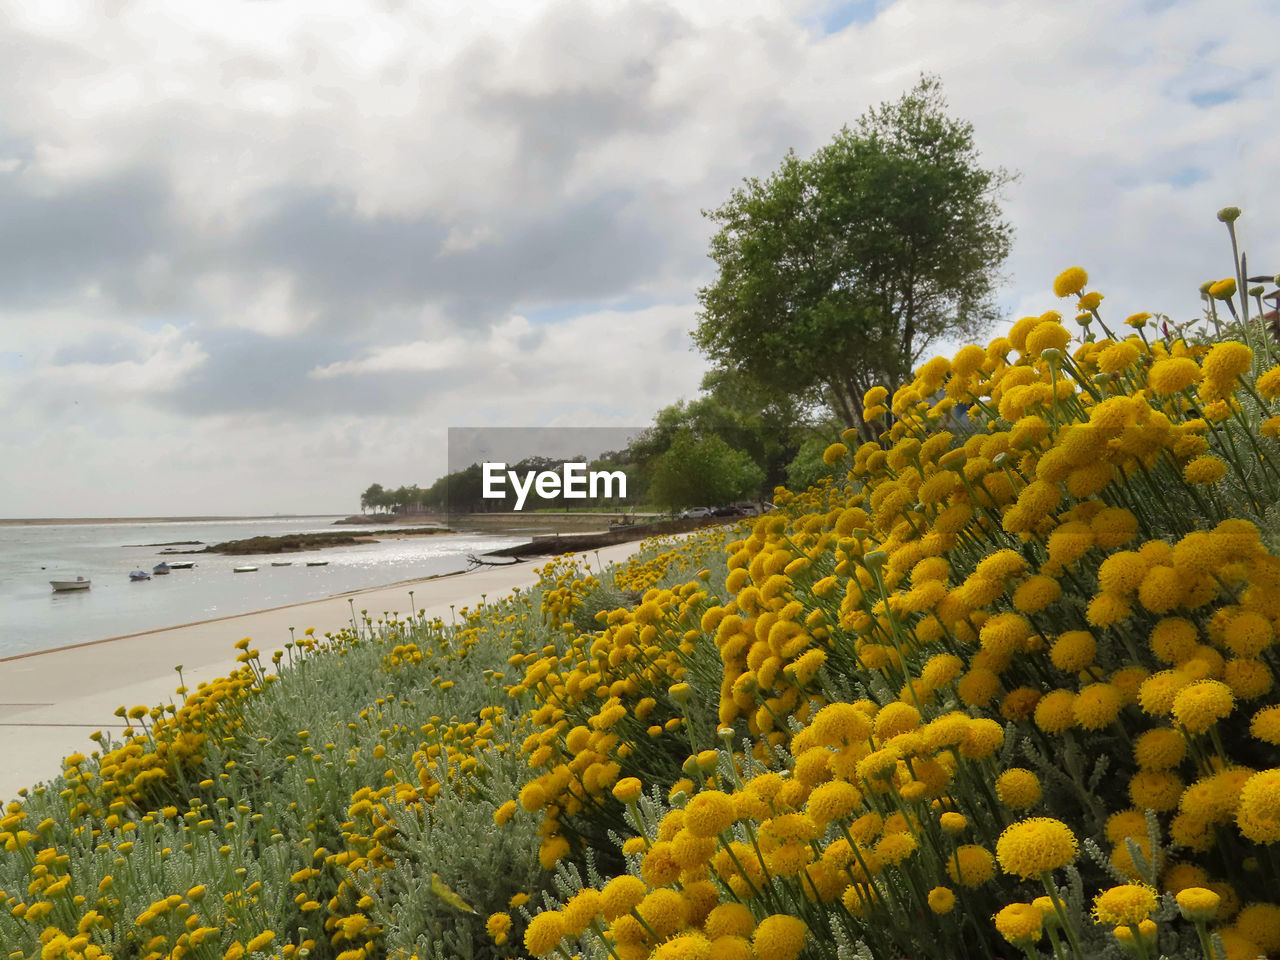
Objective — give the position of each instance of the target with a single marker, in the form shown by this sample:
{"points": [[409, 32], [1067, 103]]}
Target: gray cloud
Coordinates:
{"points": [[349, 264], [53, 245], [251, 374]]}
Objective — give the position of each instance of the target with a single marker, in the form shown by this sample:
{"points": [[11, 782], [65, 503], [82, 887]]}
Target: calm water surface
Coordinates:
{"points": [[33, 617]]}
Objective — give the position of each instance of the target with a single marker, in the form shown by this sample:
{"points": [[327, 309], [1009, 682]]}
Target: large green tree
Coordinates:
{"points": [[839, 271], [767, 425], [702, 472]]}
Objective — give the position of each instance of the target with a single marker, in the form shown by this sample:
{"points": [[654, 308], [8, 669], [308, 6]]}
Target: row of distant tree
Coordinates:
{"points": [[837, 272], [661, 472]]}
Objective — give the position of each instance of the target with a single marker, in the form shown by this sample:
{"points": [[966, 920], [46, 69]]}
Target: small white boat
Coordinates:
{"points": [[139, 575], [182, 565], [282, 563], [65, 586], [245, 570], [317, 563], [160, 569]]}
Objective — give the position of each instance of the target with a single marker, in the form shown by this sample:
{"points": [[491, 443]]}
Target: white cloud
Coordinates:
{"points": [[166, 361], [420, 356]]}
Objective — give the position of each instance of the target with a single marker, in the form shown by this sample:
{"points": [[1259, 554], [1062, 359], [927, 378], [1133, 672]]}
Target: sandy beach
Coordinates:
{"points": [[52, 700]]}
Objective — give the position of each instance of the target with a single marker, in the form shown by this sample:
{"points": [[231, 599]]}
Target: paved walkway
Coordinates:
{"points": [[51, 701]]}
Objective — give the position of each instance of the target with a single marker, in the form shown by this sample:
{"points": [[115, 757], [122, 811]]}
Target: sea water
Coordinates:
{"points": [[33, 617]]}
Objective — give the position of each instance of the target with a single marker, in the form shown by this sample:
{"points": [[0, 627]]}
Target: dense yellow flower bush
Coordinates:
{"points": [[1034, 628]]}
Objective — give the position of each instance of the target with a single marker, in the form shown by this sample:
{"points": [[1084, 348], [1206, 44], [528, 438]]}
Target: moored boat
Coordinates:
{"points": [[282, 563], [160, 569], [66, 586], [245, 570], [317, 563], [139, 575], [182, 565]]}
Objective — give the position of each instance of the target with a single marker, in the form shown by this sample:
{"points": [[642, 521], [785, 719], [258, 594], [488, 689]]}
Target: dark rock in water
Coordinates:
{"points": [[289, 543], [556, 544]]}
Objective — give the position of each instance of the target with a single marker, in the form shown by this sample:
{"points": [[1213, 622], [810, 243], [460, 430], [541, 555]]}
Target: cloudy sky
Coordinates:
{"points": [[257, 255]]}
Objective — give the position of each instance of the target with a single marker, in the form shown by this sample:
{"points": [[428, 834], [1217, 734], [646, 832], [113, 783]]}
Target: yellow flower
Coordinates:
{"points": [[779, 937], [1073, 651], [1173, 375], [1018, 788], [1223, 289], [1226, 361], [664, 911], [893, 848], [1032, 847], [1069, 281], [833, 800], [1036, 593], [1198, 903], [544, 933], [1117, 357], [688, 946], [1124, 906], [1160, 749], [498, 926], [620, 895], [834, 454], [1205, 470], [709, 813], [582, 908], [971, 866], [1260, 923], [1097, 705], [502, 816], [627, 789], [1155, 789], [1268, 384], [1146, 931], [1047, 336], [1258, 815], [1020, 923], [260, 941], [1265, 725], [1247, 633], [942, 900], [729, 920], [1055, 712], [1202, 704]]}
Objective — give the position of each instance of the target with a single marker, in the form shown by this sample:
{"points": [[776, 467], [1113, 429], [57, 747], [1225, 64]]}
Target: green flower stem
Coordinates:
{"points": [[1139, 944], [1203, 934], [1060, 909]]}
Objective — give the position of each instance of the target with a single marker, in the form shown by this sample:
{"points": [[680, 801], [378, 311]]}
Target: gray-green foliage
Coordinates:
{"points": [[703, 471]]}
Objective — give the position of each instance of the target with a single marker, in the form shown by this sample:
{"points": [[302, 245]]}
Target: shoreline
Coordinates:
{"points": [[233, 616], [69, 521], [51, 700]]}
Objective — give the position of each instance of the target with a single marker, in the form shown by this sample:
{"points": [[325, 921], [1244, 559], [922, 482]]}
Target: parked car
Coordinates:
{"points": [[728, 510], [695, 513]]}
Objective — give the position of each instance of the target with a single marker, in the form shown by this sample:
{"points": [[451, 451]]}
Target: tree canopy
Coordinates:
{"points": [[838, 271], [702, 472]]}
